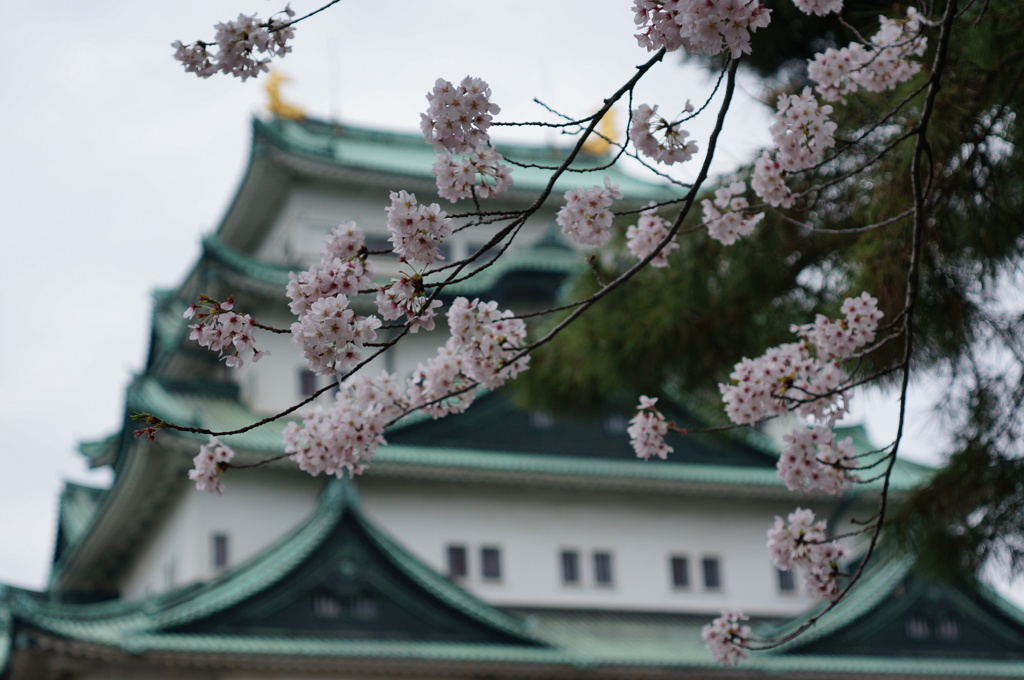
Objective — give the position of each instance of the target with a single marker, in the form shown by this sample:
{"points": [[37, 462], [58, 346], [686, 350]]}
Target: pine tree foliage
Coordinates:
{"points": [[687, 325]]}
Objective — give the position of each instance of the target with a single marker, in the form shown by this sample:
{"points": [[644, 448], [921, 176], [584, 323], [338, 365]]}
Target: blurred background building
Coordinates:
{"points": [[500, 543]]}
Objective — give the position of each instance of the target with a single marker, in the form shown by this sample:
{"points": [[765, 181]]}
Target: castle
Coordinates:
{"points": [[502, 543]]}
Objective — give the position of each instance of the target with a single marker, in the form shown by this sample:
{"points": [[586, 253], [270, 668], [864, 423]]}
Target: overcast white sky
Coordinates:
{"points": [[114, 162]]}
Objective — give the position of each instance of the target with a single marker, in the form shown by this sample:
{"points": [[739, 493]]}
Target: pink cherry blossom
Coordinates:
{"points": [[212, 459], [699, 26], [727, 637], [237, 44], [586, 217], [812, 460], [644, 237], [458, 116], [645, 128], [727, 218], [647, 430]]}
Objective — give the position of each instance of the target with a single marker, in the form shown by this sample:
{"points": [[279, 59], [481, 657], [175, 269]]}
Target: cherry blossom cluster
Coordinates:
{"points": [[768, 182], [416, 230], [586, 216], [236, 44], [726, 217], [220, 328], [727, 637], [482, 349], [406, 296], [440, 386], [800, 542], [647, 235], [802, 130], [330, 333], [343, 270], [332, 336], [645, 127], [813, 459], [881, 65], [759, 387], [819, 7], [699, 26], [344, 437], [647, 430], [488, 339], [456, 123], [801, 134], [212, 459], [458, 117], [837, 339], [481, 174], [784, 378], [791, 377]]}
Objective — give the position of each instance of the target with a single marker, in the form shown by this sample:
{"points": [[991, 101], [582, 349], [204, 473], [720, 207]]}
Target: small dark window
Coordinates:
{"points": [[712, 573], [946, 627], [680, 566], [326, 605], [307, 383], [490, 563], [458, 566], [615, 423], [541, 420], [917, 627], [362, 606], [787, 583], [331, 605], [603, 568], [570, 566], [220, 551]]}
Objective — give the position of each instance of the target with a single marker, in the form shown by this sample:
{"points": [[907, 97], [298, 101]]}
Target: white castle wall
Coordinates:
{"points": [[532, 526], [256, 510]]}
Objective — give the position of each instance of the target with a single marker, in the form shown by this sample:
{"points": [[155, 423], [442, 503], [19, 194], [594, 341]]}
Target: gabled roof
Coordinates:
{"points": [[77, 510], [408, 155], [336, 577], [893, 612], [288, 152], [339, 596]]}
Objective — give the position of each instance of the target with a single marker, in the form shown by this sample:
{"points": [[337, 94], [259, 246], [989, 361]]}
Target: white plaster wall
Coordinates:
{"points": [[642, 532], [257, 509]]}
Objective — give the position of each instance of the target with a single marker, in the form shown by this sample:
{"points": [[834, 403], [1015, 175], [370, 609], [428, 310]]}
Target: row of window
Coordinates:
{"points": [[601, 565]]}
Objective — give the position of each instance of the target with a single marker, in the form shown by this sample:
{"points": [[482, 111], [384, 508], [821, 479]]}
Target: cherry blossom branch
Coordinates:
{"points": [[918, 193]]}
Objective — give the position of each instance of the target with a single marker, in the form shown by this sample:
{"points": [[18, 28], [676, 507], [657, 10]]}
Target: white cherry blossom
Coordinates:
{"points": [[645, 128], [647, 430], [586, 216]]}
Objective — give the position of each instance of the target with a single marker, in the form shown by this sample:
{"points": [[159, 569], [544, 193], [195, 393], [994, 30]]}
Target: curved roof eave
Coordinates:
{"points": [[116, 622]]}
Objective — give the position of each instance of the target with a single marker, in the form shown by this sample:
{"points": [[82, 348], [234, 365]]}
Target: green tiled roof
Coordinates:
{"points": [[197, 404], [100, 451], [423, 444], [539, 259], [78, 506], [407, 155], [129, 625], [198, 620]]}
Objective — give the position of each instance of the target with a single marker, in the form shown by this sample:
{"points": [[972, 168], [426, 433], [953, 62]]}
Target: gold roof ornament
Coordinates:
{"points": [[600, 143], [275, 103]]}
